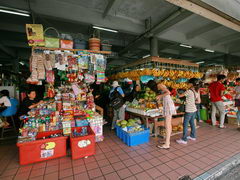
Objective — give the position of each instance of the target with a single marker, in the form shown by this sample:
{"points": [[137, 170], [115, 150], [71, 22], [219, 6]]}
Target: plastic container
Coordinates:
{"points": [[133, 139], [82, 146], [42, 149], [118, 129], [204, 114]]}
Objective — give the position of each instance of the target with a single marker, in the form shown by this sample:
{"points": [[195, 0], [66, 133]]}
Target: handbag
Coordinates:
{"points": [[66, 44], [105, 46], [66, 41], [94, 42], [51, 42], [79, 42], [35, 34]]}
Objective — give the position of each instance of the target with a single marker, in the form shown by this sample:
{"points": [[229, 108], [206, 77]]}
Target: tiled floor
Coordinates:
{"points": [[114, 160]]}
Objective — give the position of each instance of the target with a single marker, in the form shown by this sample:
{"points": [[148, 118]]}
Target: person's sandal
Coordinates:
{"points": [[163, 147]]}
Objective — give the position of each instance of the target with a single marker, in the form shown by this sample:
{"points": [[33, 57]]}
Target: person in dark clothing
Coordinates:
{"points": [[134, 93], [101, 99], [29, 103]]}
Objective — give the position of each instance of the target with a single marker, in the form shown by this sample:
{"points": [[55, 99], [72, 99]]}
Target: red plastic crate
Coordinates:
{"points": [[79, 145], [42, 149]]}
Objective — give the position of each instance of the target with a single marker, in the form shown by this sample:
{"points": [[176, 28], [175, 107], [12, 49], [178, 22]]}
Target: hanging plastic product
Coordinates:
{"points": [[100, 76], [47, 62], [51, 91], [50, 77], [100, 62], [83, 61], [89, 78]]}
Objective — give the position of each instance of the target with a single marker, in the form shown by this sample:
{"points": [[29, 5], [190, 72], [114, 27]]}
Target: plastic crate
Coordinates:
{"points": [[133, 139], [42, 149], [83, 146]]}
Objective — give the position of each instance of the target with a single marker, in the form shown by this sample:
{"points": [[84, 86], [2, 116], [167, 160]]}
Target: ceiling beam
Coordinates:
{"points": [[163, 25], [207, 11], [192, 50], [8, 51], [202, 30], [208, 57], [108, 8], [226, 39], [171, 20], [168, 46]]}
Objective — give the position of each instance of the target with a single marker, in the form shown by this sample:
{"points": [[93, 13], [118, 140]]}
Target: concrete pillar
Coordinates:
{"points": [[153, 46]]}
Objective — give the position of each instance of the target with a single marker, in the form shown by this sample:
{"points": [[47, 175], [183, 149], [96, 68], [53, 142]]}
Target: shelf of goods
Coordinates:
{"points": [[174, 73], [73, 50], [68, 108]]}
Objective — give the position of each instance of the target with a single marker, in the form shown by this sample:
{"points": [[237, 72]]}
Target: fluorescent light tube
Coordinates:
{"points": [[201, 62], [22, 63], [105, 29], [185, 45], [146, 56], [14, 12], [209, 50]]}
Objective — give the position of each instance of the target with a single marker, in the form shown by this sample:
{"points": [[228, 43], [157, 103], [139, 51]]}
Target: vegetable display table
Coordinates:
{"points": [[176, 119]]}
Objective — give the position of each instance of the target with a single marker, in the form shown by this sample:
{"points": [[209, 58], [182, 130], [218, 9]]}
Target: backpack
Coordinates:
{"points": [[116, 99]]}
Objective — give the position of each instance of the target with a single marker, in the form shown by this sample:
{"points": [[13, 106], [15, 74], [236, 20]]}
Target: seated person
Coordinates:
{"points": [[29, 103], [4, 104]]}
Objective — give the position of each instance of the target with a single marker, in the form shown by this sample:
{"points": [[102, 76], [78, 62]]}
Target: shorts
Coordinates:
{"points": [[237, 102]]}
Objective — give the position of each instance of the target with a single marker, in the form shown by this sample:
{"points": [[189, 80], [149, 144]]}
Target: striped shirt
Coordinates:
{"points": [[191, 97]]}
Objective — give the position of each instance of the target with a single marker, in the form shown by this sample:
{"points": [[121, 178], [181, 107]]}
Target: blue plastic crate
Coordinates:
{"points": [[134, 139], [137, 138], [117, 130], [121, 133]]}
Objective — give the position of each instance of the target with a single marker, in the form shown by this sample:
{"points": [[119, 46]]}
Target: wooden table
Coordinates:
{"points": [[176, 119]]}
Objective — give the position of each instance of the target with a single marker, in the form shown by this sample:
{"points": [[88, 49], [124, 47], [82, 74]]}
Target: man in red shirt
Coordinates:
{"points": [[216, 90]]}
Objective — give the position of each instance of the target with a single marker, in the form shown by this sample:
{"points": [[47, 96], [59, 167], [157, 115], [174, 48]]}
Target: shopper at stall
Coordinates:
{"points": [[168, 108], [216, 90], [192, 98], [4, 104], [117, 102], [237, 99], [29, 102], [134, 94]]}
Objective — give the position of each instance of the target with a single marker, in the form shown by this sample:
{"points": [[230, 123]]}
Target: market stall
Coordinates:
{"points": [[68, 108], [232, 73], [173, 73]]}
